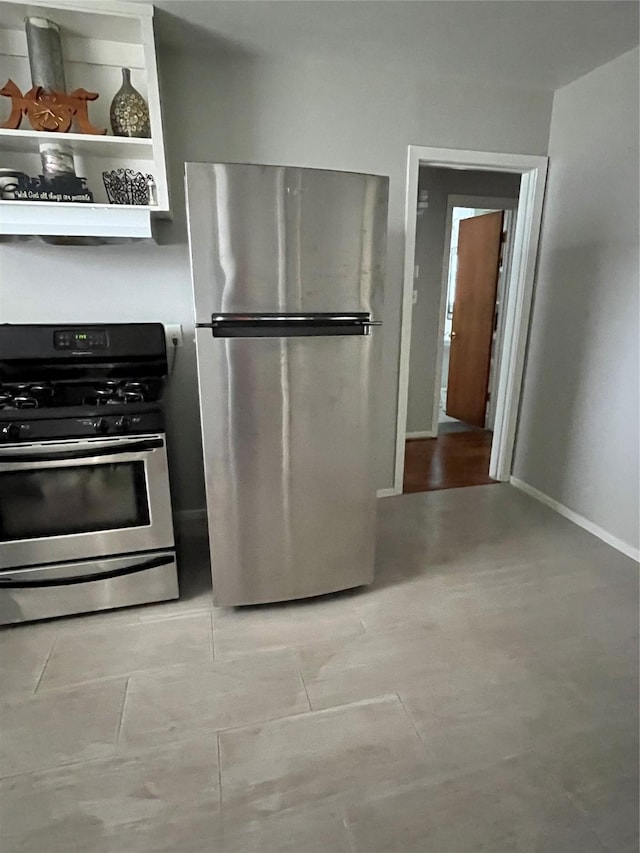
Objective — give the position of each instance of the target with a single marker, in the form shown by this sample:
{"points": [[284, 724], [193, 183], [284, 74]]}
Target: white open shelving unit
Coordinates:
{"points": [[98, 40]]}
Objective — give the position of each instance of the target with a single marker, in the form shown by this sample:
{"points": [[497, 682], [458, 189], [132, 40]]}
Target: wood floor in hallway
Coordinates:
{"points": [[450, 461]]}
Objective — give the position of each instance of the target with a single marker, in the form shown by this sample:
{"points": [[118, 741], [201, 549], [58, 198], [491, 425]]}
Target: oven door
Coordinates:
{"points": [[81, 499]]}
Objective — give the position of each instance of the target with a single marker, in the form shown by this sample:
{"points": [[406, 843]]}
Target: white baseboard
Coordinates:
{"points": [[386, 493], [426, 433], [578, 519]]}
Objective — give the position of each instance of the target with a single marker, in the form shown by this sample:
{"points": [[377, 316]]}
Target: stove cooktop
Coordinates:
{"points": [[67, 381], [27, 396]]}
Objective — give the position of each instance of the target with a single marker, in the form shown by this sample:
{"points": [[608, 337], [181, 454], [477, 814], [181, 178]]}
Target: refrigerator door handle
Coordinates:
{"points": [[288, 325], [318, 317]]}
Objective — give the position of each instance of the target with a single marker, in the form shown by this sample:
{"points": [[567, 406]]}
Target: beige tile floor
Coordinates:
{"points": [[482, 695]]}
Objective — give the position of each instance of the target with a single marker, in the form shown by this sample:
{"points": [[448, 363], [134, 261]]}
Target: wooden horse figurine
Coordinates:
{"points": [[50, 111], [18, 105]]}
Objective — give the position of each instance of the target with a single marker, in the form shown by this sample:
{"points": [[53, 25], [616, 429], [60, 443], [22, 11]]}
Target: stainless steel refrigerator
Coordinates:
{"points": [[288, 269]]}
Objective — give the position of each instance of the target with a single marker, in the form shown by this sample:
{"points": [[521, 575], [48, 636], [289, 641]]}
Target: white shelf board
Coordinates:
{"points": [[112, 21], [86, 143], [69, 220], [84, 205]]}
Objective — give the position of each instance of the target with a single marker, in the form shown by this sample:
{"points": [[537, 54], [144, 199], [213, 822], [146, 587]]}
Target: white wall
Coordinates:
{"points": [[430, 237], [327, 114], [578, 434]]}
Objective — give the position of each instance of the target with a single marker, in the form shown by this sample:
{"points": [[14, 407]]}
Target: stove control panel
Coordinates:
{"points": [[10, 432], [119, 425], [80, 340], [18, 431]]}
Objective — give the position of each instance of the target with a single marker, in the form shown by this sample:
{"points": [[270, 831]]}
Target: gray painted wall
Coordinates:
{"points": [[430, 237], [578, 435], [224, 106]]}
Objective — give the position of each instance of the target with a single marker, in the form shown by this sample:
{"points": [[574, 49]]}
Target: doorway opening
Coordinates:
{"points": [[455, 449], [470, 346]]}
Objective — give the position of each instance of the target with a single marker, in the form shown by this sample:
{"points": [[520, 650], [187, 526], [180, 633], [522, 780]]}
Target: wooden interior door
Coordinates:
{"points": [[479, 246]]}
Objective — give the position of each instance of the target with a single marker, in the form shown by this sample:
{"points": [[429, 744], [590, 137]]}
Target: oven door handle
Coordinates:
{"points": [[16, 583], [55, 455]]}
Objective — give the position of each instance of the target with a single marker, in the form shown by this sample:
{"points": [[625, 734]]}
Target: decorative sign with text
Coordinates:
{"points": [[62, 188]]}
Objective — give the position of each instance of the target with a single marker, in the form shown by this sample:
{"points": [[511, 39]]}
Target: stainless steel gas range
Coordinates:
{"points": [[85, 507]]}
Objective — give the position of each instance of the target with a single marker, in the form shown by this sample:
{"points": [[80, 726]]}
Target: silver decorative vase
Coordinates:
{"points": [[47, 70], [129, 113]]}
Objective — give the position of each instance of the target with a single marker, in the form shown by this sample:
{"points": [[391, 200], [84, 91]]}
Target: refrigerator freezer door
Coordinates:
{"points": [[285, 240], [287, 434]]}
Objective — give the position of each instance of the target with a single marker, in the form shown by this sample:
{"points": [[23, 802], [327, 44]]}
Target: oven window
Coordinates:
{"points": [[78, 499]]}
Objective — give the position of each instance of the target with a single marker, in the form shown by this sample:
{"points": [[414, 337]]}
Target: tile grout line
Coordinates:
{"points": [[74, 762], [53, 645], [105, 679], [220, 783], [297, 714], [136, 752], [304, 684], [121, 718], [353, 847], [213, 639], [170, 617], [410, 718]]}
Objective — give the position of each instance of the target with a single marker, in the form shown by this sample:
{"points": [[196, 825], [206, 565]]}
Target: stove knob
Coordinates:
{"points": [[102, 426], [10, 432], [123, 424]]}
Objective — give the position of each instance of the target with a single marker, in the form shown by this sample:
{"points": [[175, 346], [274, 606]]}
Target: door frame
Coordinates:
{"points": [[510, 206], [518, 295]]}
